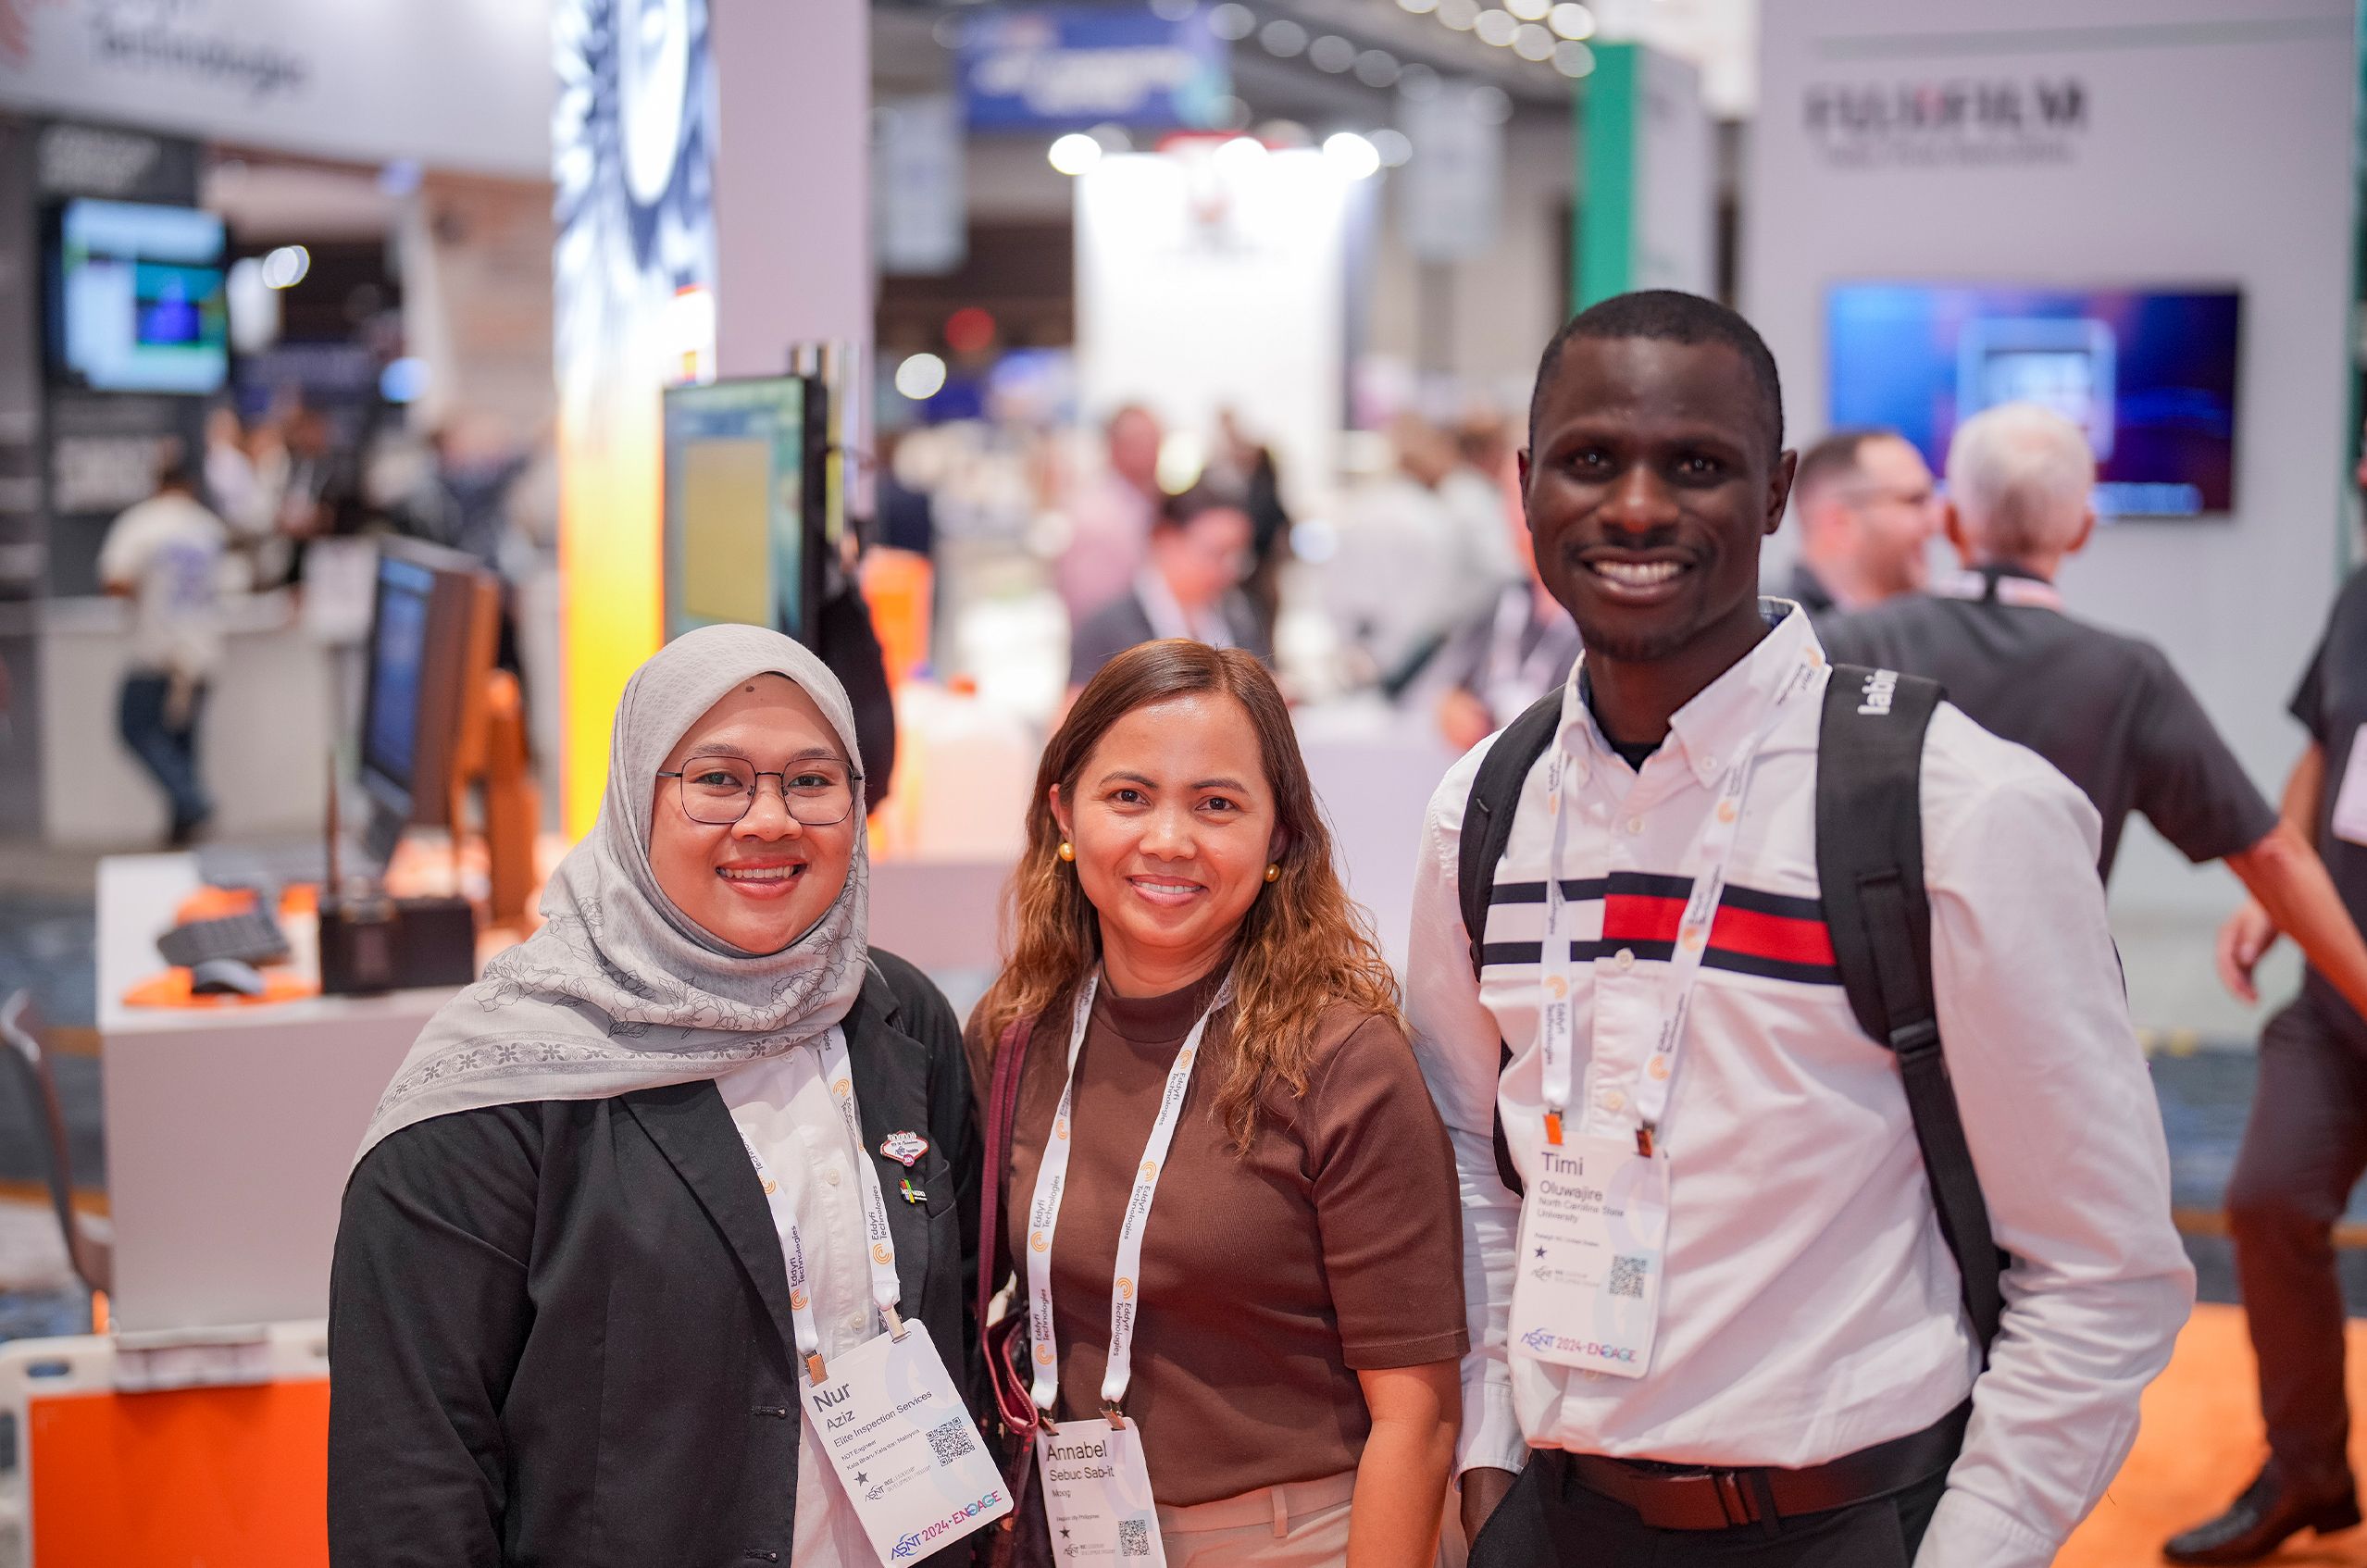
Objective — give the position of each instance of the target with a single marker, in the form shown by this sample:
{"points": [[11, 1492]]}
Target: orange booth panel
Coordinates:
{"points": [[188, 1478]]}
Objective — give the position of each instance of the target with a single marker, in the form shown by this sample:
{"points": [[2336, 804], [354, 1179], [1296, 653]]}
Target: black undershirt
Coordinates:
{"points": [[1631, 753]]}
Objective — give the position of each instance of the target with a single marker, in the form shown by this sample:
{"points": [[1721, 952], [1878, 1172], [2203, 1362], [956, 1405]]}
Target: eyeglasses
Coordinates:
{"points": [[718, 791]]}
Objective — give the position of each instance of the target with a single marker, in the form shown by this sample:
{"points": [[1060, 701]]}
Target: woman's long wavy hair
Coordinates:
{"points": [[1304, 948]]}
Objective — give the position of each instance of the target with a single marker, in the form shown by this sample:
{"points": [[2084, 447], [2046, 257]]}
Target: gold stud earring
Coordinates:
{"points": [[1274, 873], [1067, 850]]}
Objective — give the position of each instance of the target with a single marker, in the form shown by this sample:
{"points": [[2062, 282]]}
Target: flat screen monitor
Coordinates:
{"points": [[426, 644], [2149, 376], [737, 504], [137, 298]]}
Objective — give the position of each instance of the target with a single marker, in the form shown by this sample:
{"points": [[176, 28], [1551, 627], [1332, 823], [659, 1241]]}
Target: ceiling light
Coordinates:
{"points": [[1571, 19], [1533, 42], [1376, 68], [285, 267], [1394, 146], [1496, 26], [1331, 52], [1352, 154], [921, 376], [1529, 10], [1458, 13], [1232, 22], [1283, 37], [1418, 82], [1075, 153], [1574, 60]]}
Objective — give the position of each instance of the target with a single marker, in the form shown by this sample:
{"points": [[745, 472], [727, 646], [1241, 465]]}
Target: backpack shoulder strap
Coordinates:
{"points": [[1870, 868], [1488, 814]]}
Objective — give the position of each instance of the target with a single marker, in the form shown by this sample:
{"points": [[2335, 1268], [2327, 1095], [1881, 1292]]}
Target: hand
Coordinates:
{"points": [[2247, 934], [1483, 1488]]}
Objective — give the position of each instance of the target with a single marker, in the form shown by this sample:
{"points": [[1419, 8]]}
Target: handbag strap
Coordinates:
{"points": [[1001, 1115]]}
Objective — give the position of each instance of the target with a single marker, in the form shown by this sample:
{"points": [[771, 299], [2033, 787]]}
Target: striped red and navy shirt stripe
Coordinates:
{"points": [[1777, 935]]}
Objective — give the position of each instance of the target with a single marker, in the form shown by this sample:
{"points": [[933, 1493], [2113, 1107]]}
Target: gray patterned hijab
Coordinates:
{"points": [[620, 991]]}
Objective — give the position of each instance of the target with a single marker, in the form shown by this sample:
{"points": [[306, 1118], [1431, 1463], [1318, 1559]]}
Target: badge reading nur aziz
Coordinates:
{"points": [[904, 1148]]}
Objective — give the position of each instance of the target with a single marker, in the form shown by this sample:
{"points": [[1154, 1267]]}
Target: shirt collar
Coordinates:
{"points": [[1723, 714]]}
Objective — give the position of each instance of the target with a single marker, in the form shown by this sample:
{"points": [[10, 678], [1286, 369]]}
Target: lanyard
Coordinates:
{"points": [[1044, 1214], [1711, 856], [882, 1247]]}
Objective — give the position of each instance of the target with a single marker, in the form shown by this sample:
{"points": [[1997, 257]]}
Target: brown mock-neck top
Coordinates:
{"points": [[1267, 1280]]}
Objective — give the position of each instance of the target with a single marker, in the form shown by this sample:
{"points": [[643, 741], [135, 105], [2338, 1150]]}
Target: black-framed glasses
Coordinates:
{"points": [[718, 791]]}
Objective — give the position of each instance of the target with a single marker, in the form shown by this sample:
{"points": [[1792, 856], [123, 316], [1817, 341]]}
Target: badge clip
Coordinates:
{"points": [[815, 1369], [895, 1324], [1111, 1413], [1553, 1128], [1644, 1139]]}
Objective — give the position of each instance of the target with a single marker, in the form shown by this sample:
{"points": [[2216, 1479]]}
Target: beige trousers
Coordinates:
{"points": [[1298, 1525]]}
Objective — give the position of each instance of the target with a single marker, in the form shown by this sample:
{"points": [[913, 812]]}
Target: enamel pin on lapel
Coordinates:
{"points": [[904, 1148]]}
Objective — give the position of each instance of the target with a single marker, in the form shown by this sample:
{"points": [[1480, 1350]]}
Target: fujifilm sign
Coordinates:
{"points": [[1955, 120]]}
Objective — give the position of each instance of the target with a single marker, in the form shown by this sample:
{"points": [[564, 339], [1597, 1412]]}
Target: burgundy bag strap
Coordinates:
{"points": [[1002, 1113]]}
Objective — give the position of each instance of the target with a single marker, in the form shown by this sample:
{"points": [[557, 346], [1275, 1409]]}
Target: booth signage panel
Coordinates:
{"points": [[1073, 66]]}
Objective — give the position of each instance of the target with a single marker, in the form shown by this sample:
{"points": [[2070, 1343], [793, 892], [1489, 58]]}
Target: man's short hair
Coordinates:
{"points": [[1669, 315], [1208, 495], [2023, 478], [1833, 461]]}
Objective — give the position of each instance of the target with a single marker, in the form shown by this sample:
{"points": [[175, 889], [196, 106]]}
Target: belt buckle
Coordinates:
{"points": [[1733, 1500]]}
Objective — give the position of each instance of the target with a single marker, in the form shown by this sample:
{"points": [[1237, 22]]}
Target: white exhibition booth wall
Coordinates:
{"points": [[2193, 143]]}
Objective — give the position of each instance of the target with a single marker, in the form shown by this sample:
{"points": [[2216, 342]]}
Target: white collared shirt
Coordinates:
{"points": [[782, 1105], [1812, 1306]]}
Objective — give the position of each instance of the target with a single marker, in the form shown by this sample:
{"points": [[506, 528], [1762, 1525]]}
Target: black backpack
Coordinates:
{"points": [[1870, 864]]}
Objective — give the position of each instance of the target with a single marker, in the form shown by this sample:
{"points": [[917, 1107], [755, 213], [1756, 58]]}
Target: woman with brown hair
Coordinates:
{"points": [[1232, 1206]]}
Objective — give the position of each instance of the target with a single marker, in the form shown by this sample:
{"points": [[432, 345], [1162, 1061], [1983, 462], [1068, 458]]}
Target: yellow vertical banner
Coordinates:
{"points": [[632, 150]]}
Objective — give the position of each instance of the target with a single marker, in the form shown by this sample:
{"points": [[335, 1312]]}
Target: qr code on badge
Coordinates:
{"points": [[1627, 1277], [1134, 1538], [952, 1441]]}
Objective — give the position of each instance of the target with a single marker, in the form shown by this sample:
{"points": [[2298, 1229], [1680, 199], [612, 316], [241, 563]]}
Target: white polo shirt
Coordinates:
{"points": [[1810, 1306]]}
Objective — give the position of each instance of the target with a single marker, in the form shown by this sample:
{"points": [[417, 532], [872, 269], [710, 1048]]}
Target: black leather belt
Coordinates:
{"points": [[1676, 1498]]}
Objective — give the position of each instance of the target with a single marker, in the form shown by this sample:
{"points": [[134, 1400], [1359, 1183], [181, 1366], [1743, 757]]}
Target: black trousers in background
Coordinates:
{"points": [[2304, 1149], [166, 745], [1549, 1521]]}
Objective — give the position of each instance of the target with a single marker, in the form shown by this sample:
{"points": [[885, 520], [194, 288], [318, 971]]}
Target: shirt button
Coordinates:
{"points": [[854, 1324], [831, 1174], [1635, 826], [1625, 958], [1611, 1099]]}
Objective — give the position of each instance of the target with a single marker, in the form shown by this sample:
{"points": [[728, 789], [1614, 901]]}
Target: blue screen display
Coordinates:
{"points": [[2149, 376]]}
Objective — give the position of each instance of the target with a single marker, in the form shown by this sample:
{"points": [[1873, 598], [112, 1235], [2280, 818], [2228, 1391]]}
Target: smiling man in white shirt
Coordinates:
{"points": [[1777, 1369]]}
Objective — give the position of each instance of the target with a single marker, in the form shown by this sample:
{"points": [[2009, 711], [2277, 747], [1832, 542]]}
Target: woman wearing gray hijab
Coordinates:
{"points": [[562, 1322]]}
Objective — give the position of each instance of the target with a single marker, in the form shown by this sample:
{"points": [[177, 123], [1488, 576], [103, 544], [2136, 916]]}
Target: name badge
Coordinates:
{"points": [[1097, 1495], [1594, 1233], [905, 1448]]}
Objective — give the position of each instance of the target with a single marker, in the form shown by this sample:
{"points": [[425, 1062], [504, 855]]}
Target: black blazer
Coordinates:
{"points": [[560, 1332]]}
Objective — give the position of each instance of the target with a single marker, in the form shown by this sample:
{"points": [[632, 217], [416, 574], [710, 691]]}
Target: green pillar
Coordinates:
{"points": [[1606, 110]]}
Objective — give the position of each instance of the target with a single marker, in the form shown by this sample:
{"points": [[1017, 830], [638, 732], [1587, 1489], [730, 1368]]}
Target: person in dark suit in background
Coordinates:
{"points": [[1200, 551], [563, 1321]]}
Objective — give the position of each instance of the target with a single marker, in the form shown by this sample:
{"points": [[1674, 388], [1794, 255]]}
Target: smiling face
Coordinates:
{"points": [[1174, 825], [1649, 489], [762, 882]]}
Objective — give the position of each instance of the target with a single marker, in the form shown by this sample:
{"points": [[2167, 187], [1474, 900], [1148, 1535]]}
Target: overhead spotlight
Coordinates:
{"points": [[921, 376], [285, 267], [1352, 154], [1376, 68], [1075, 153], [1491, 103], [1232, 22], [1283, 37], [1571, 19], [1240, 152], [1458, 13], [1418, 81], [1533, 42], [1574, 59], [1393, 145], [1529, 10], [1419, 7], [1331, 52], [1496, 26]]}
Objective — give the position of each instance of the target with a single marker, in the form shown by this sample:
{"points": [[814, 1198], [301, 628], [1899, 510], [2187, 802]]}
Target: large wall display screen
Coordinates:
{"points": [[137, 301], [2149, 376]]}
